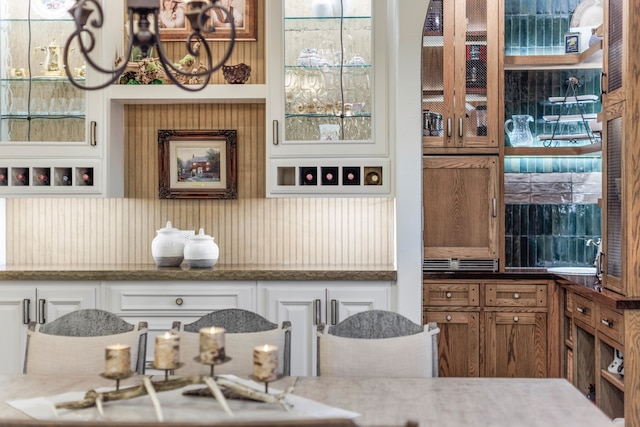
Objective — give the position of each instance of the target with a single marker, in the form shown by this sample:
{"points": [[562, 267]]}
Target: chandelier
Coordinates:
{"points": [[143, 25]]}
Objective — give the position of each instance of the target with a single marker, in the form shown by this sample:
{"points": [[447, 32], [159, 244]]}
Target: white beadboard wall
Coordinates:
{"points": [[250, 230]]}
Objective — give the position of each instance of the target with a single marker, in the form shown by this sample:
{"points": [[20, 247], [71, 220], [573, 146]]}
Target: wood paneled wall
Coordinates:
{"points": [[250, 230]]}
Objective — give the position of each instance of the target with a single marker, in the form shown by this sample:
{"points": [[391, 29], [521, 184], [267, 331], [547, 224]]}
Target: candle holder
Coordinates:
{"points": [[267, 381], [166, 371], [212, 364], [117, 377]]}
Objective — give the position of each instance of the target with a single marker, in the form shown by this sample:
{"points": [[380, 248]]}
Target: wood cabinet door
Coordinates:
{"points": [[516, 344], [458, 342], [460, 205]]}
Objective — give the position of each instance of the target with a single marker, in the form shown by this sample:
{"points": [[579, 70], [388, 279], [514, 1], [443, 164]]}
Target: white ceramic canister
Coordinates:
{"points": [[322, 8], [167, 248], [201, 251]]}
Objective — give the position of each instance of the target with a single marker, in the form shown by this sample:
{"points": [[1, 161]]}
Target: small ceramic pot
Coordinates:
{"points": [[201, 251], [167, 248]]}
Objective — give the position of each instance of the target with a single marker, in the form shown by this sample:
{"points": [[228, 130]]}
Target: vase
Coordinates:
{"points": [[167, 248], [201, 251], [322, 8], [341, 5]]}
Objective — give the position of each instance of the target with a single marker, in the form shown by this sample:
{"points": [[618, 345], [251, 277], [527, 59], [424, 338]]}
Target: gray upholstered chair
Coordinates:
{"points": [[75, 343], [244, 331], [378, 343]]}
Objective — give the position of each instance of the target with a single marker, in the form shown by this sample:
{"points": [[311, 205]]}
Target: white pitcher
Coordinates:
{"points": [[520, 134]]}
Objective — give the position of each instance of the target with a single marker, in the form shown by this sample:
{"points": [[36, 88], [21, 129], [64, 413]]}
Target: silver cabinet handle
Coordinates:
{"points": [[581, 310], [516, 318], [607, 322], [26, 308], [276, 132], [449, 127], [179, 301], [448, 295], [93, 141], [334, 312], [494, 207], [516, 296], [42, 304], [460, 130], [317, 306]]}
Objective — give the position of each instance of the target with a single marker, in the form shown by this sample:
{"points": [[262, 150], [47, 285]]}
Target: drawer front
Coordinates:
{"points": [[514, 295], [584, 310], [451, 294], [611, 323]]}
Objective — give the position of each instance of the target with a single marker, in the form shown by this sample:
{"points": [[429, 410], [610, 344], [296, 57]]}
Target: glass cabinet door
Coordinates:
{"points": [[37, 102], [459, 95], [328, 57]]}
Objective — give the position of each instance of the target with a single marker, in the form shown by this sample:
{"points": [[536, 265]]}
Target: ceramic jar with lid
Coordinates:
{"points": [[167, 248], [201, 251]]}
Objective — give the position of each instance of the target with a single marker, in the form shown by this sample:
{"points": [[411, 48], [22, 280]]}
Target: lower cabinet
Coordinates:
{"points": [[162, 303], [308, 304], [594, 336], [22, 302], [492, 328]]}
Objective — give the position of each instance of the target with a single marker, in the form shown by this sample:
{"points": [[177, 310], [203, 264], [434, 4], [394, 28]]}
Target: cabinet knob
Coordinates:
{"points": [[448, 295], [179, 301], [449, 318], [516, 296], [516, 318]]}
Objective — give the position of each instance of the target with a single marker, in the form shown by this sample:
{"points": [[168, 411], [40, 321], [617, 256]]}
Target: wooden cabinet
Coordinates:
{"points": [[41, 302], [493, 328], [460, 206], [460, 77], [308, 304], [593, 332], [161, 303]]}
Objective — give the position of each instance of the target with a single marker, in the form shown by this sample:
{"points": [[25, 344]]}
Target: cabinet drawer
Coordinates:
{"points": [[514, 295], [583, 310], [451, 294], [611, 323]]}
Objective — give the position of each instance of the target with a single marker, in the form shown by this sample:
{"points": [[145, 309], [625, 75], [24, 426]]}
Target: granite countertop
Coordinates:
{"points": [[218, 272]]}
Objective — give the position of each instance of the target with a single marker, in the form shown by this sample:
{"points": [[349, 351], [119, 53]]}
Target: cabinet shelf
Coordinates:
{"points": [[212, 94], [591, 57], [329, 116], [41, 117], [554, 151], [615, 379]]}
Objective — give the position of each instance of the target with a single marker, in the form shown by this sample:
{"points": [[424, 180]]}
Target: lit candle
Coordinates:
{"points": [[265, 362], [212, 345], [166, 354], [117, 360]]}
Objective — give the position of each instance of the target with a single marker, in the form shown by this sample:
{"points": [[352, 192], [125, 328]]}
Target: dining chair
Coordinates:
{"points": [[378, 343], [75, 343], [244, 330]]}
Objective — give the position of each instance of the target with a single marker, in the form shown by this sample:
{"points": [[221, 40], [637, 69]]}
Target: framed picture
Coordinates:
{"points": [[198, 164], [174, 24]]}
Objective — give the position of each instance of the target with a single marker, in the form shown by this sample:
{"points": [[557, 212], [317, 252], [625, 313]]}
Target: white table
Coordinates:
{"points": [[442, 402]]}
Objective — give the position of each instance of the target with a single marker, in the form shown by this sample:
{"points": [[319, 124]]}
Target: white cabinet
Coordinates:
{"points": [[162, 303], [52, 133], [308, 304], [22, 302], [328, 99]]}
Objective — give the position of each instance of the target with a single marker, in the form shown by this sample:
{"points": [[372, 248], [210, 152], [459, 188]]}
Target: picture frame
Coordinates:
{"points": [[198, 164], [245, 11]]}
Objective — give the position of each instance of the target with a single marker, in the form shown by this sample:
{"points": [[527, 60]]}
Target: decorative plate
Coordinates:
{"points": [[53, 9], [589, 13]]}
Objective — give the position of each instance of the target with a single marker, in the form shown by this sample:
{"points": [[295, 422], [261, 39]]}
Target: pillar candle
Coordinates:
{"points": [[212, 345], [166, 354], [265, 362], [117, 360]]}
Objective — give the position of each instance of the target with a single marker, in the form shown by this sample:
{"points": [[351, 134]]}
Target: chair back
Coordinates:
{"points": [[244, 331], [378, 343], [75, 343]]}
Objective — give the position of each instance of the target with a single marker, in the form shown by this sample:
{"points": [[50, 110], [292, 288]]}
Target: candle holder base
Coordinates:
{"points": [[212, 364], [167, 372], [266, 382], [117, 377]]}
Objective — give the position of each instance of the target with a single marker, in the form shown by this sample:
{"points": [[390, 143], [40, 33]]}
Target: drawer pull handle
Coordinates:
{"points": [[516, 318], [516, 296], [449, 318], [448, 295], [581, 310], [179, 301], [607, 322]]}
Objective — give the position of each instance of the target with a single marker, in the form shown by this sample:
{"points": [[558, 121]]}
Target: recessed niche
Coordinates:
{"points": [[4, 174], [41, 176], [20, 177], [308, 175], [84, 177], [329, 175], [351, 175], [373, 175], [286, 175], [62, 177]]}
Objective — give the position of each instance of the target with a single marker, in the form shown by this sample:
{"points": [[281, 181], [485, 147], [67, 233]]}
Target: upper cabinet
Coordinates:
{"points": [[460, 77], [616, 28], [50, 131], [328, 100]]}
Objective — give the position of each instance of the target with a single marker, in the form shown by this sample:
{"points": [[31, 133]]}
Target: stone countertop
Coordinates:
{"points": [[139, 272]]}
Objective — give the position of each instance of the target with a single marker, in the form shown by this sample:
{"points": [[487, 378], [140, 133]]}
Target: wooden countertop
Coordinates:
{"points": [[442, 402], [138, 272]]}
